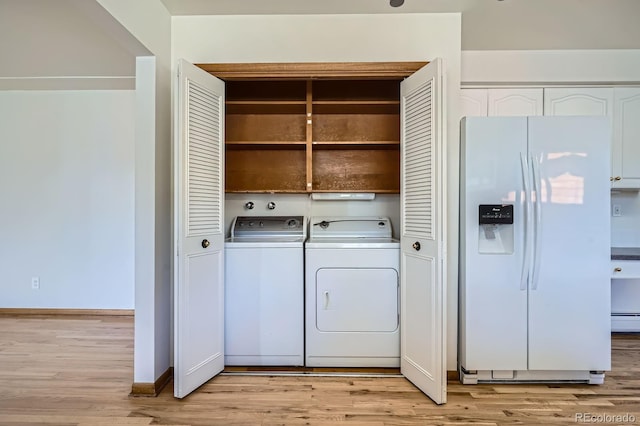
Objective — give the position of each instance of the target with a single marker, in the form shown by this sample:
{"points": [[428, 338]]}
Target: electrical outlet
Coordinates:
{"points": [[35, 283], [617, 210]]}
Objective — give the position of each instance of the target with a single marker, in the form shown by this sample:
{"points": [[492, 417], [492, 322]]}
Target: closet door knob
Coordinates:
{"points": [[416, 246], [205, 243], [618, 269]]}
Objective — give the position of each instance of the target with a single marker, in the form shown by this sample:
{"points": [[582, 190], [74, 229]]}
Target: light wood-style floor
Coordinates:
{"points": [[70, 370]]}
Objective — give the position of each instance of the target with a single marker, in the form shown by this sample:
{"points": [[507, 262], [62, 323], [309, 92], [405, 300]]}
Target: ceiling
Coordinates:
{"points": [[486, 24], [78, 38], [64, 44]]}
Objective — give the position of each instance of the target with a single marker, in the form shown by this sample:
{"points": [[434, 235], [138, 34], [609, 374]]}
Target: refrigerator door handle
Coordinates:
{"points": [[526, 264], [537, 184]]}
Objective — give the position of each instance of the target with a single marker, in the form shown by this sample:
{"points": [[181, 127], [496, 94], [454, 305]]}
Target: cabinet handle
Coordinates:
{"points": [[618, 269], [617, 178]]}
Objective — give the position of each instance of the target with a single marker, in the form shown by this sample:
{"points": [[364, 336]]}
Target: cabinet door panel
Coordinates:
{"points": [[473, 103], [578, 101], [626, 138], [514, 102]]}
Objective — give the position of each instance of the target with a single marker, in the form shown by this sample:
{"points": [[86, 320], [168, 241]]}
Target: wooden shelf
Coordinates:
{"points": [[265, 127], [375, 190], [356, 127], [337, 134], [356, 170], [304, 71], [291, 90], [356, 145], [356, 90], [274, 190], [266, 144], [266, 107], [265, 170], [356, 107]]}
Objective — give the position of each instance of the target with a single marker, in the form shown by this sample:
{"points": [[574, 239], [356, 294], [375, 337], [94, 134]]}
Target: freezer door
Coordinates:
{"points": [[569, 296], [493, 278]]}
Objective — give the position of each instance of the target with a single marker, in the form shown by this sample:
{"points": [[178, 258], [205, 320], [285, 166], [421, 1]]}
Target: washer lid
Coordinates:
{"points": [[268, 227], [340, 227]]}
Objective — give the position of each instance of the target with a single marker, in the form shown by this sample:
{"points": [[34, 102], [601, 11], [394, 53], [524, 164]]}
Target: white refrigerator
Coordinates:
{"points": [[534, 287]]}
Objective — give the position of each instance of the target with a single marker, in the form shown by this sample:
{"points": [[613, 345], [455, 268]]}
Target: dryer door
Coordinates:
{"points": [[357, 300]]}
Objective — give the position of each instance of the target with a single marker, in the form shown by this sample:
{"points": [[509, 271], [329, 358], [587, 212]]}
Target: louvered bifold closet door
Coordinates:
{"points": [[418, 164], [198, 228], [204, 153], [423, 324]]}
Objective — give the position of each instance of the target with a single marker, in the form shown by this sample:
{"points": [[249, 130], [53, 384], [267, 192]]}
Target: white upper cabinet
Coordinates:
{"points": [[501, 102], [620, 104], [578, 101], [514, 102], [473, 103], [626, 138]]}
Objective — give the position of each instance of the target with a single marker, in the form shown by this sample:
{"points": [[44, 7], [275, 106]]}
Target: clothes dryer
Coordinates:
{"points": [[352, 293]]}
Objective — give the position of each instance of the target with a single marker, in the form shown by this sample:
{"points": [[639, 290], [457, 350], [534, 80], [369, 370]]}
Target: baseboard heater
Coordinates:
{"points": [[628, 322]]}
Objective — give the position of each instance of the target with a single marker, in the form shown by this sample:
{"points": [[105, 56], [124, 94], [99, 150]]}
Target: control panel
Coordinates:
{"points": [[257, 226], [498, 214], [495, 230]]}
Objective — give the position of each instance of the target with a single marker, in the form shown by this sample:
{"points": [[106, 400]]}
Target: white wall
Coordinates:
{"points": [[519, 67], [343, 38], [66, 185], [150, 23], [387, 205], [625, 230], [79, 54]]}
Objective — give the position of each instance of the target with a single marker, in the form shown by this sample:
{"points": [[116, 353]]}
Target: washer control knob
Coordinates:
{"points": [[248, 205], [271, 205]]}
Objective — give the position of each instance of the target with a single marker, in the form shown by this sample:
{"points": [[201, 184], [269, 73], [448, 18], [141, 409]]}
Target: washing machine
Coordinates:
{"points": [[352, 293], [264, 291]]}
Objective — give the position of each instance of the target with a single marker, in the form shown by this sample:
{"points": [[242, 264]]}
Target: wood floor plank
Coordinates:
{"points": [[78, 370]]}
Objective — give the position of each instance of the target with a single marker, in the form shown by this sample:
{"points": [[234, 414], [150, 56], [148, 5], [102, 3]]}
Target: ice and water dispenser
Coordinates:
{"points": [[496, 229]]}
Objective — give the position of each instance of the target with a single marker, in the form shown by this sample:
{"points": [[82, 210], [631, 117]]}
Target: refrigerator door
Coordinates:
{"points": [[569, 296], [493, 276]]}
